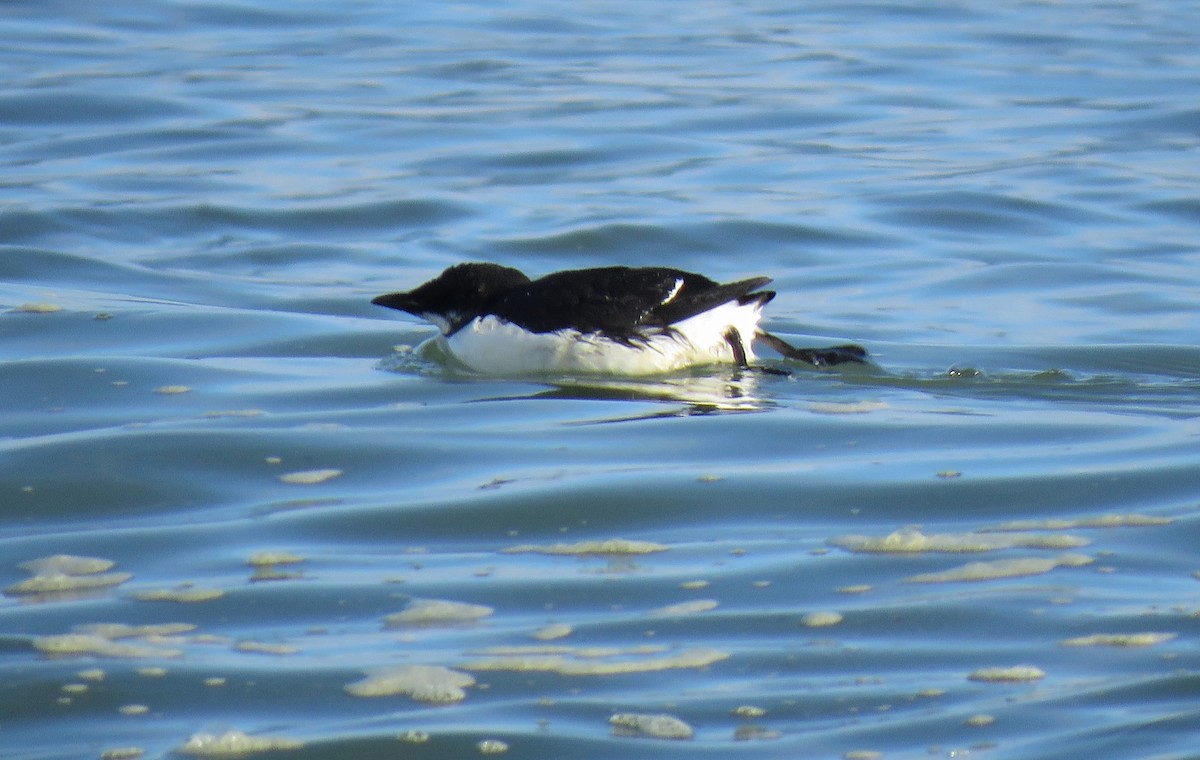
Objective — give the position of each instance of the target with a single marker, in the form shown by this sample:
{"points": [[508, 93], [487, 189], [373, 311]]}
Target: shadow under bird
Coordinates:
{"points": [[612, 320]]}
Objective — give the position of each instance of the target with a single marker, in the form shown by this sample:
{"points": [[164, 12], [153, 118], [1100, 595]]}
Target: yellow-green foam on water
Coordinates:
{"points": [[685, 608], [822, 619], [752, 733], [574, 651], [67, 564], [126, 631], [1131, 520], [424, 683], [66, 573], [76, 644], [172, 390], [1001, 568], [658, 726], [608, 546], [1015, 673], [749, 711], [437, 611], [310, 477], [234, 744], [37, 307], [492, 747], [912, 541], [185, 595], [552, 631], [54, 583], [273, 573], [580, 662], [267, 559], [220, 413], [210, 638], [266, 647], [1146, 639]]}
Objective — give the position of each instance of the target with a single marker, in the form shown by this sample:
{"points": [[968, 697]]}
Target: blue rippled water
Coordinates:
{"points": [[982, 546]]}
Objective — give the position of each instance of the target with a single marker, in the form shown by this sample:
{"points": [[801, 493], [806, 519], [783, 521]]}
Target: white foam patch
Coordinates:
{"points": [[693, 607], [1147, 639], [1015, 673], [235, 744], [660, 726], [424, 683], [913, 541], [1001, 568], [594, 661], [62, 574], [615, 546], [437, 612], [79, 644], [1101, 521], [310, 477], [67, 564]]}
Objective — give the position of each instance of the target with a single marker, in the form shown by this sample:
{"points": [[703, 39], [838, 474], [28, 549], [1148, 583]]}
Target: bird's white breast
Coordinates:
{"points": [[490, 345]]}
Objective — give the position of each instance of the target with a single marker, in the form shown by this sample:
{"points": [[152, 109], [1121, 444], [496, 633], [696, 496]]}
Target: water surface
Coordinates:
{"points": [[982, 546]]}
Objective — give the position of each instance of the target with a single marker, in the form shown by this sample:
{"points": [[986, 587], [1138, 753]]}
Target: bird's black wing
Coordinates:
{"points": [[695, 298], [619, 302]]}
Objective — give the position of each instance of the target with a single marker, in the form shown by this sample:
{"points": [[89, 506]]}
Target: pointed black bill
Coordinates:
{"points": [[399, 301]]}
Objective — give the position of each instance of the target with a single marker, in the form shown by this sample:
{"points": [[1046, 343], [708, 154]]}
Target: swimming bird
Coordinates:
{"points": [[611, 320]]}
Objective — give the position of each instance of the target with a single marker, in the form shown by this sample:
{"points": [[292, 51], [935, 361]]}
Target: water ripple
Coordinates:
{"points": [[984, 541]]}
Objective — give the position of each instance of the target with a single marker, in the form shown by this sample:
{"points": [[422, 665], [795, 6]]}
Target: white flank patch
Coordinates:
{"points": [[674, 292], [309, 477], [494, 347]]}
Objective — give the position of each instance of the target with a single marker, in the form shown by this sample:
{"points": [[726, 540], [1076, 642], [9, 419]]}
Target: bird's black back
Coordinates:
{"points": [[620, 302]]}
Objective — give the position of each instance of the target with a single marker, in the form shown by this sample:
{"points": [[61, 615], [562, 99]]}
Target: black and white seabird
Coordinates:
{"points": [[612, 320]]}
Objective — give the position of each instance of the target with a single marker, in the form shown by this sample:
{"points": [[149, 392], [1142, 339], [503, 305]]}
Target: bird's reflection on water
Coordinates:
{"points": [[685, 395]]}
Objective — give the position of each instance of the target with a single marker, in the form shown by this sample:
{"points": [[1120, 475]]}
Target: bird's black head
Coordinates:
{"points": [[457, 295]]}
